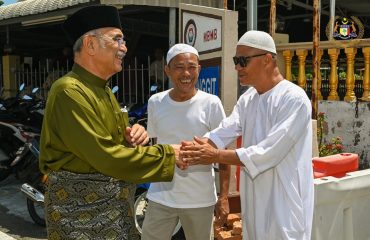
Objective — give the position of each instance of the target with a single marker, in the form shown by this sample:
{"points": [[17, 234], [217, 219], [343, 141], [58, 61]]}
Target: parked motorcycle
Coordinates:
{"points": [[14, 140], [15, 134], [35, 187], [24, 109]]}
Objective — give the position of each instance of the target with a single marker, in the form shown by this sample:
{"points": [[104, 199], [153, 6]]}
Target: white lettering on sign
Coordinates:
{"points": [[210, 35], [208, 85]]}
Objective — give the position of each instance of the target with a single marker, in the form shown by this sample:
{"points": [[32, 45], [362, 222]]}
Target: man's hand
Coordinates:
{"points": [[198, 152], [179, 162], [136, 135], [222, 209]]}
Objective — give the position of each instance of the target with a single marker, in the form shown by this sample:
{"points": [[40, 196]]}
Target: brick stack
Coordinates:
{"points": [[232, 230]]}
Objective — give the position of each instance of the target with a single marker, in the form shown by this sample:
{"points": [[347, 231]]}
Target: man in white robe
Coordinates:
{"points": [[274, 119]]}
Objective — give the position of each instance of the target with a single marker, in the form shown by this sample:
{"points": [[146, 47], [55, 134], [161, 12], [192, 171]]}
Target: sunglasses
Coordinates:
{"points": [[243, 61]]}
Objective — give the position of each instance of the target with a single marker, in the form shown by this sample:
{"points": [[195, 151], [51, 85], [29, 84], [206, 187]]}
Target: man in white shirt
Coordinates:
{"points": [[157, 75], [274, 118], [175, 115]]}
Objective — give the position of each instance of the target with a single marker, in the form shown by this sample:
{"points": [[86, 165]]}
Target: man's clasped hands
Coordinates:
{"points": [[188, 153], [198, 151]]}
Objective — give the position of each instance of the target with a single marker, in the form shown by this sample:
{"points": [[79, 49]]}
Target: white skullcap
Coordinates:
{"points": [[178, 49], [259, 40]]}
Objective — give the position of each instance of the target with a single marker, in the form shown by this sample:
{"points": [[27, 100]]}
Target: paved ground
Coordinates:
{"points": [[14, 218]]}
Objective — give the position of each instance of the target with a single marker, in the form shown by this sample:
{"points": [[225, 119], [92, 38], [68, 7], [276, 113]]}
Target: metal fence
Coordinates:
{"points": [[134, 81]]}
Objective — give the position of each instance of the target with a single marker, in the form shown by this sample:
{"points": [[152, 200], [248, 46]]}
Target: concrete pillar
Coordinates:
{"points": [[10, 62]]}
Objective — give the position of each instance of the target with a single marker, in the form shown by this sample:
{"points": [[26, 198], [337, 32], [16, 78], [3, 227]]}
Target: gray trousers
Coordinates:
{"points": [[160, 222]]}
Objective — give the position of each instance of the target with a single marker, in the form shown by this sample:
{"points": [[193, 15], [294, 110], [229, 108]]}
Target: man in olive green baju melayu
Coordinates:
{"points": [[93, 158]]}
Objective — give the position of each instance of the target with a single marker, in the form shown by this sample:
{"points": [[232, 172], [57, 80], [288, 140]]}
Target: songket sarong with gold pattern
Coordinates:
{"points": [[89, 206]]}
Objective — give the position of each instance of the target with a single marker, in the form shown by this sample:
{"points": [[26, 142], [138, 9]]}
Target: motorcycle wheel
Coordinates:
{"points": [[140, 206], [37, 212], [4, 172]]}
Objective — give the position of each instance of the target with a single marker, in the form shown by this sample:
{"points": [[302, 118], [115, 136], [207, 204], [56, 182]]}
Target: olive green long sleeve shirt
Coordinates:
{"points": [[83, 132]]}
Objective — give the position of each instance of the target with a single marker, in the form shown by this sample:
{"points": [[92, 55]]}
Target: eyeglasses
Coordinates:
{"points": [[243, 60], [119, 40]]}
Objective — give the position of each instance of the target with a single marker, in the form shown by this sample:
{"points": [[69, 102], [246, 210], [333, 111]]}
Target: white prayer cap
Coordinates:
{"points": [[178, 49], [258, 39]]}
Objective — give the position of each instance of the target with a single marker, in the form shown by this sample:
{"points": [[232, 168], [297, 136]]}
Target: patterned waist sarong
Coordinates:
{"points": [[89, 206]]}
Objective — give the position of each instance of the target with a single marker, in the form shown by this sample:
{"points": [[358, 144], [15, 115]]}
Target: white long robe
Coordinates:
{"points": [[276, 182]]}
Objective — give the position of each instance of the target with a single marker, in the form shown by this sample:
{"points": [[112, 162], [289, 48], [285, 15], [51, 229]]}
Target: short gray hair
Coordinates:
{"points": [[77, 46]]}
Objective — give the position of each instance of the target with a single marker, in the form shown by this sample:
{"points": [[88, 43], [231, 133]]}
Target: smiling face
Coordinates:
{"points": [[183, 70], [110, 51]]}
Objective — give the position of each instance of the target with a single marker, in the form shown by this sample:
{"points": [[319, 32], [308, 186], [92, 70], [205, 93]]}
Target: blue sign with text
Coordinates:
{"points": [[209, 79]]}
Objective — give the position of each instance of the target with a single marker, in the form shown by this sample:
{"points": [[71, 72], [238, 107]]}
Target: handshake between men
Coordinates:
{"points": [[199, 151]]}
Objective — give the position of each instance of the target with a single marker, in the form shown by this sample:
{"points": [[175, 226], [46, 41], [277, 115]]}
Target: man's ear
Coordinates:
{"points": [[268, 58], [167, 70], [88, 44]]}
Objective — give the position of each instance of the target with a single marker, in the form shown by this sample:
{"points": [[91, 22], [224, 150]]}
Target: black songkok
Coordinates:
{"points": [[90, 18]]}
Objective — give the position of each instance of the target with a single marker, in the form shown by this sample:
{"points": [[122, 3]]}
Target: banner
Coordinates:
{"points": [[209, 78]]}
